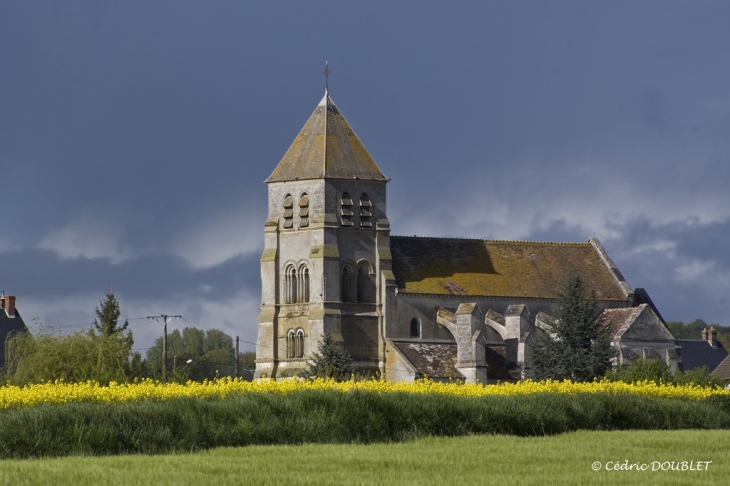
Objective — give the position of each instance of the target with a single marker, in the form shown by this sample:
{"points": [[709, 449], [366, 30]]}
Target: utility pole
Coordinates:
{"points": [[236, 371], [165, 320]]}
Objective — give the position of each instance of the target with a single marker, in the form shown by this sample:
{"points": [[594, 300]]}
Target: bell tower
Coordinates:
{"points": [[327, 242]]}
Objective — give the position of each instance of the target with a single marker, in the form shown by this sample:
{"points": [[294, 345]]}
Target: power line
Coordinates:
{"points": [[89, 324]]}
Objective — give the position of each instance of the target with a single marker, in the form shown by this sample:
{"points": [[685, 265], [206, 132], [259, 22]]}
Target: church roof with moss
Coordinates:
{"points": [[493, 268], [327, 148]]}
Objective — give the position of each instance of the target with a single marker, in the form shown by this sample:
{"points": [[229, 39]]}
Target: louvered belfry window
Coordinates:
{"points": [[288, 211], [346, 210], [304, 211], [365, 211]]}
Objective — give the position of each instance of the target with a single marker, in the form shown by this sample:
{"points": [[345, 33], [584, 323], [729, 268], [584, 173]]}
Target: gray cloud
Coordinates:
{"points": [[134, 138]]}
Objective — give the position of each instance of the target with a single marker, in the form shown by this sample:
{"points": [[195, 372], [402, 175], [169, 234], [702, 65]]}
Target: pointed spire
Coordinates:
{"points": [[327, 148]]}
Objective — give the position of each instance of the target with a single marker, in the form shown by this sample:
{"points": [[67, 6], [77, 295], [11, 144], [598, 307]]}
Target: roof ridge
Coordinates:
{"points": [[567, 243], [326, 108]]}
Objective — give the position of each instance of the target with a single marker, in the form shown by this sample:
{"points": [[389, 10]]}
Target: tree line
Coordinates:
{"points": [[577, 348], [105, 353]]}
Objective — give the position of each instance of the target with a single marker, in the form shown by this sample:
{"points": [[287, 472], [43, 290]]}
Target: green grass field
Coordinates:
{"points": [[479, 459]]}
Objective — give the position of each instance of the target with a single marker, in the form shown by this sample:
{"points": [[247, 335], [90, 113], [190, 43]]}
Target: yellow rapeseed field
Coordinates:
{"points": [[58, 392]]}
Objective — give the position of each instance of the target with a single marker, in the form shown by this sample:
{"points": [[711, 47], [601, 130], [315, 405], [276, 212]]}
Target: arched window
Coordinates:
{"points": [[290, 344], [303, 296], [365, 211], [346, 294], [304, 211], [415, 328], [290, 285], [288, 211], [364, 284], [299, 344], [346, 210]]}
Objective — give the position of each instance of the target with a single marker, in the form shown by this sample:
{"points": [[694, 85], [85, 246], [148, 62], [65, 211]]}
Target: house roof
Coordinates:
{"points": [[698, 352], [723, 369], [438, 360], [619, 319], [327, 148], [501, 268], [435, 360], [7, 325]]}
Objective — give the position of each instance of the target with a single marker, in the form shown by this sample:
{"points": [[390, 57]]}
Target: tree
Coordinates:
{"points": [[211, 352], [656, 370], [693, 330], [107, 315], [102, 353], [42, 355], [642, 369], [578, 344], [330, 361]]}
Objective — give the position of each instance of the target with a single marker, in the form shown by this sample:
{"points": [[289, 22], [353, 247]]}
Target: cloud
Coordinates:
{"points": [[692, 272], [88, 235], [212, 241], [236, 314]]}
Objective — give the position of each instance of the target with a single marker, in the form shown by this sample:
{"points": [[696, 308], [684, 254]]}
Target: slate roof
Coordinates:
{"points": [[723, 369], [438, 360], [500, 268], [435, 360], [697, 353], [8, 325], [619, 318], [327, 148]]}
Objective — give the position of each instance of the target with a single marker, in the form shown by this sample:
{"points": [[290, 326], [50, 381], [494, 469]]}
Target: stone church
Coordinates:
{"points": [[409, 307]]}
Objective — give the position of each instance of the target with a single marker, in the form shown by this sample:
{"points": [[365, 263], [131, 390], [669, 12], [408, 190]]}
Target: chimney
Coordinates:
{"points": [[712, 337], [704, 334], [9, 305]]}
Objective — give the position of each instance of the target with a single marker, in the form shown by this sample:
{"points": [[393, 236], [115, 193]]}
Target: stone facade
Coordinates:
{"points": [[408, 307]]}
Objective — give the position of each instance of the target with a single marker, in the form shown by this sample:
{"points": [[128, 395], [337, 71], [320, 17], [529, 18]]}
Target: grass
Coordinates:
{"points": [[479, 459], [312, 416]]}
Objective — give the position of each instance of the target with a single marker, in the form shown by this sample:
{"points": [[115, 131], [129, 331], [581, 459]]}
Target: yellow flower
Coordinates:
{"points": [[60, 392]]}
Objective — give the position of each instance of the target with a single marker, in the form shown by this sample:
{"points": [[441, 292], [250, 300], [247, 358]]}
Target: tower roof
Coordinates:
{"points": [[327, 148]]}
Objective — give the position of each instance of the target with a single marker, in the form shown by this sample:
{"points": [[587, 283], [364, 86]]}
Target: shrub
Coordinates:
{"points": [[656, 370], [330, 361], [43, 355], [327, 416]]}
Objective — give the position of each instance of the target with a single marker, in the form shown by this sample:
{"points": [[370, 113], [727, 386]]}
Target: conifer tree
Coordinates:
{"points": [[330, 361], [107, 315], [578, 347]]}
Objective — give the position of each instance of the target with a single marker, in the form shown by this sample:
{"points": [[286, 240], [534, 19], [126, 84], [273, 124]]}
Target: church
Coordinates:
{"points": [[411, 307]]}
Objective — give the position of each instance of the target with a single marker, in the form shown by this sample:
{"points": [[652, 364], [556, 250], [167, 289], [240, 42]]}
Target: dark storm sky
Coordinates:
{"points": [[135, 138]]}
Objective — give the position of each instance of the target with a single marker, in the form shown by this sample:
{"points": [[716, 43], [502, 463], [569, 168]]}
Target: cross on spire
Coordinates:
{"points": [[326, 73]]}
